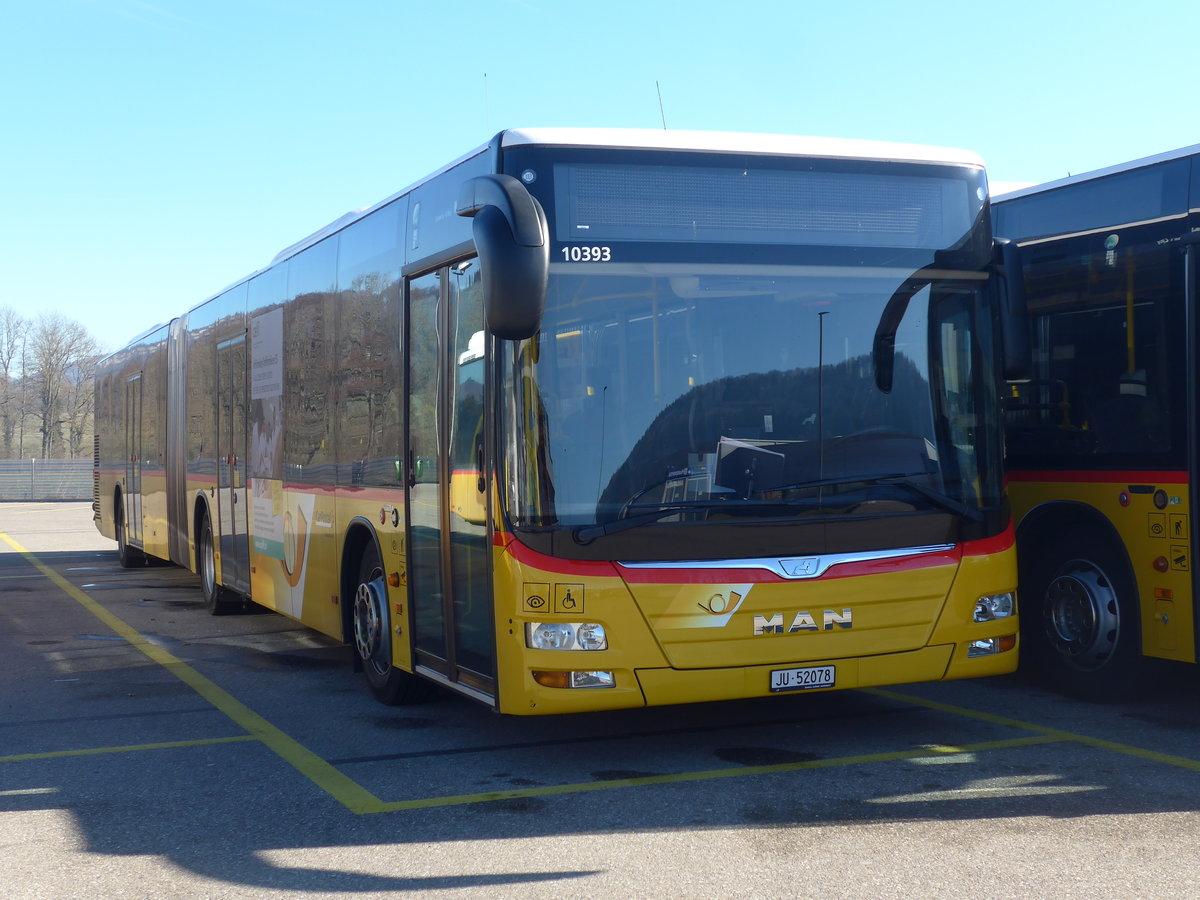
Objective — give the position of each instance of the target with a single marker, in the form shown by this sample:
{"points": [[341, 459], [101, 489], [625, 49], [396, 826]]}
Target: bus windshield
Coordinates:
{"points": [[683, 395]]}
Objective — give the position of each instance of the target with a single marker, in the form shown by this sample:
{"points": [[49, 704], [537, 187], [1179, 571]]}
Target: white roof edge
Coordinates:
{"points": [[1100, 173], [739, 142]]}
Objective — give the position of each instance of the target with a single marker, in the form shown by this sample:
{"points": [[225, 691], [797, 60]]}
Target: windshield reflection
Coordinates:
{"points": [[686, 393]]}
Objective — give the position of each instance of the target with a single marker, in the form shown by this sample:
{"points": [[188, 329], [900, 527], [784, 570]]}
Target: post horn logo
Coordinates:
{"points": [[719, 604]]}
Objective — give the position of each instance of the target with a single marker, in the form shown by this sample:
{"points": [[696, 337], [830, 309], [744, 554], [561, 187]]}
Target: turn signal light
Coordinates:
{"points": [[574, 679]]}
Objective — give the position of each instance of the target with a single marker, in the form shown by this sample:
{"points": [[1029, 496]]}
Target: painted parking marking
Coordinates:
{"points": [[345, 790], [1167, 759], [709, 775], [361, 801], [132, 748]]}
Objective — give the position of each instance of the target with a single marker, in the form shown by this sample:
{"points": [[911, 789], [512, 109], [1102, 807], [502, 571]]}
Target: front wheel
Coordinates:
{"points": [[372, 638], [1079, 624]]}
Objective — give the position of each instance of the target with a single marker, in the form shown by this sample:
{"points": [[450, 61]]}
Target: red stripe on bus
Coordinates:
{"points": [[529, 557], [717, 575], [995, 544], [1099, 477], [701, 574]]}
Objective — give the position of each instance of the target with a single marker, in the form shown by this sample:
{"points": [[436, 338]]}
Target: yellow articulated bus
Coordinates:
{"points": [[599, 419], [1102, 439]]}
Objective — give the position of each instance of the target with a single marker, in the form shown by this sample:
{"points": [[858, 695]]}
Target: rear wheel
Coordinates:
{"points": [[1079, 624], [371, 625], [217, 600]]}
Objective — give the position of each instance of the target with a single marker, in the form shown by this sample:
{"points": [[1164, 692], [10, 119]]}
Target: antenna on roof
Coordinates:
{"points": [[661, 111]]}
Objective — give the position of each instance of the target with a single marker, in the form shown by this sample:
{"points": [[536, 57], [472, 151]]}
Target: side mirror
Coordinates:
{"points": [[883, 348], [1014, 318], [513, 241]]}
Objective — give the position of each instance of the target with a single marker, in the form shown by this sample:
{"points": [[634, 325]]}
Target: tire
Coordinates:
{"points": [[217, 600], [1080, 627], [371, 630], [128, 557]]}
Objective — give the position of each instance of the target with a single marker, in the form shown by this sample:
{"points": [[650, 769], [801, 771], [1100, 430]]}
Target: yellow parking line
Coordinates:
{"points": [[712, 774], [345, 790], [132, 748], [358, 800], [1168, 759]]}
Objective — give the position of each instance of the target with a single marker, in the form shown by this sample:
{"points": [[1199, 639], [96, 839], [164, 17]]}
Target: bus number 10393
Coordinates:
{"points": [[578, 253]]}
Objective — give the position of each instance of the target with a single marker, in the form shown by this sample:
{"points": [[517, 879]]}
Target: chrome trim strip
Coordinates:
{"points": [[456, 686], [793, 567]]}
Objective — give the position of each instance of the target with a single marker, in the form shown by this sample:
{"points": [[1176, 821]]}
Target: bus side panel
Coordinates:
{"points": [[1157, 538]]}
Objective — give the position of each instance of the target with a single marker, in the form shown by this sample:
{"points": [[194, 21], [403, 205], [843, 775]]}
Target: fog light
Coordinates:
{"points": [[991, 646], [593, 680], [591, 636], [575, 679], [994, 606]]}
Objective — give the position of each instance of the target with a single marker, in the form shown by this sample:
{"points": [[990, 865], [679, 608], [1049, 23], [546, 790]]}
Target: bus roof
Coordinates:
{"points": [[1181, 153], [736, 142], [663, 139], [654, 139]]}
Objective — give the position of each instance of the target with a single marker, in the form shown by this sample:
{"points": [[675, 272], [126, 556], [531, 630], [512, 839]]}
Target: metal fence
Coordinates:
{"points": [[45, 479]]}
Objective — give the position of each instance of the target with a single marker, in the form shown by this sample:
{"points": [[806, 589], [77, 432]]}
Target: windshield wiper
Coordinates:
{"points": [[897, 478], [589, 533]]}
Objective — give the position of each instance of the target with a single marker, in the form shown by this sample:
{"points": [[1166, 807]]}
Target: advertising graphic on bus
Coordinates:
{"points": [[593, 419]]}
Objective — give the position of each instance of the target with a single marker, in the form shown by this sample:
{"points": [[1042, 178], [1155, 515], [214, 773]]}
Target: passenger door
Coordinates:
{"points": [[133, 460], [231, 464], [448, 539]]}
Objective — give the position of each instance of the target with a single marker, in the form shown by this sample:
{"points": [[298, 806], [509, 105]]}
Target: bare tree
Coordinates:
{"points": [[14, 331], [62, 359]]}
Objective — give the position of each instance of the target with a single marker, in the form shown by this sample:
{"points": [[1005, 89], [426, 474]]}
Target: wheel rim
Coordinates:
{"points": [[1083, 619], [368, 622], [208, 557]]}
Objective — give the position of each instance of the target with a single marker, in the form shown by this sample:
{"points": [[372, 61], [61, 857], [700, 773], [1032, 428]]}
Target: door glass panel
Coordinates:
{"points": [[425, 498], [133, 463], [231, 431], [468, 507]]}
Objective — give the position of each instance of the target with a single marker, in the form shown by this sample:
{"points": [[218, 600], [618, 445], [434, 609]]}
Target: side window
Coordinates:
{"points": [[368, 372], [307, 333], [1108, 338]]}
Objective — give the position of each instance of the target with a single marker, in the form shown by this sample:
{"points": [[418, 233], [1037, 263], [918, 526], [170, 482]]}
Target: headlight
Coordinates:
{"points": [[995, 606], [565, 636]]}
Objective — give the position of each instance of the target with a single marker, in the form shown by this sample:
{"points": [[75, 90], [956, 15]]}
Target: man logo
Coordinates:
{"points": [[804, 621]]}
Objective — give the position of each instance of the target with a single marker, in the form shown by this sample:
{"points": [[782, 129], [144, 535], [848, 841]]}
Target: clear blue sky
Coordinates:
{"points": [[154, 151]]}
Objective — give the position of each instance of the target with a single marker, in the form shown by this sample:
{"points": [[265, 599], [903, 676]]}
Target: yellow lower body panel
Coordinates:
{"points": [[664, 686]]}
